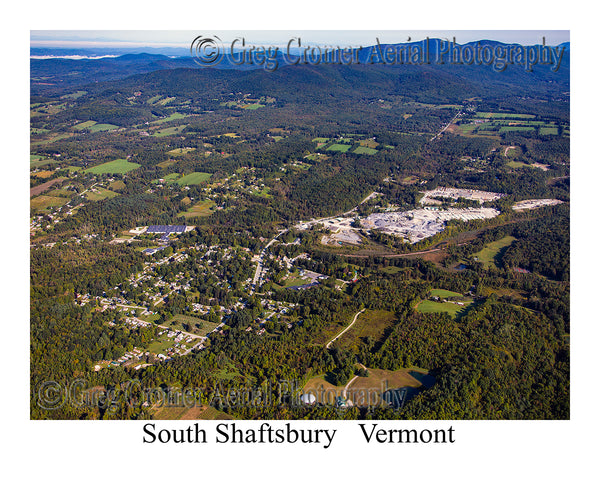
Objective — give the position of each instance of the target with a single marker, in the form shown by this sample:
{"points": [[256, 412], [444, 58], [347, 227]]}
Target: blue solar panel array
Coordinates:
{"points": [[166, 229]]}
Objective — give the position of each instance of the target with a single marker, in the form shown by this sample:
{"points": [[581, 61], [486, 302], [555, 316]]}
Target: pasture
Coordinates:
{"points": [[170, 118], [338, 147], [99, 193], [365, 150], [195, 178], [452, 309], [44, 203], [441, 293], [116, 166], [165, 132]]}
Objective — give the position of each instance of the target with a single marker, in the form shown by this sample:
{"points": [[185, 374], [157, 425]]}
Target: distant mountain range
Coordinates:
{"points": [[51, 76]]}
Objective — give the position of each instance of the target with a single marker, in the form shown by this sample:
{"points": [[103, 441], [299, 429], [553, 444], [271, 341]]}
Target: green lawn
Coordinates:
{"points": [[44, 202], [252, 106], [429, 306], [339, 147], [440, 292], [195, 178], [493, 251], [165, 132], [365, 150], [548, 131], [516, 129], [170, 178], [116, 166], [102, 127], [173, 116], [84, 125]]}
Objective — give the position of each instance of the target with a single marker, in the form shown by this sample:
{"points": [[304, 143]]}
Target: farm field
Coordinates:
{"points": [[194, 178], [338, 147], [99, 193], [165, 132], [365, 150], [492, 252], [173, 116], [170, 178], [441, 293], [116, 166], [200, 209], [429, 306], [45, 202], [44, 186]]}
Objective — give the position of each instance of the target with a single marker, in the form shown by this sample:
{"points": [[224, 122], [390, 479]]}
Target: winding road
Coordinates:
{"points": [[344, 330]]}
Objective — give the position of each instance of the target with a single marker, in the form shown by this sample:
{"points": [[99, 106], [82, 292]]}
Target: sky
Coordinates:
{"points": [[182, 38]]}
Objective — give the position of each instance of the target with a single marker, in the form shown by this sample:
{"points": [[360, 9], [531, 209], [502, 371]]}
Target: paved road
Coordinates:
{"points": [[444, 129], [259, 267], [344, 330]]}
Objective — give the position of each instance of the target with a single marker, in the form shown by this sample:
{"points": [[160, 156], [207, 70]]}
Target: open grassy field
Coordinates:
{"points": [[167, 163], [200, 209], [173, 116], [116, 166], [42, 174], [180, 151], [429, 306], [43, 203], [170, 178], [161, 344], [516, 164], [99, 193], [165, 132], [252, 106], [84, 125], [191, 324], [73, 96], [491, 254], [338, 147], [364, 150], [371, 323], [548, 130], [504, 115], [117, 185], [441, 293], [517, 129], [194, 178], [102, 127]]}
